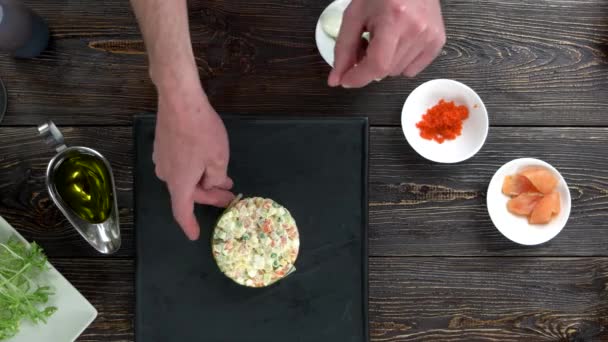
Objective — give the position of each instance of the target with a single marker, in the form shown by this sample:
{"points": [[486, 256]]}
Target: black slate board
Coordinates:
{"points": [[317, 168]]}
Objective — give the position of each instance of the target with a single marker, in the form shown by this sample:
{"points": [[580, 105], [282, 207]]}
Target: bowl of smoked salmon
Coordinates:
{"points": [[445, 121], [528, 201]]}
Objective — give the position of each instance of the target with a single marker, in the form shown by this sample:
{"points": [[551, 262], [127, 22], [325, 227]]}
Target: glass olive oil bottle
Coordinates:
{"points": [[85, 185]]}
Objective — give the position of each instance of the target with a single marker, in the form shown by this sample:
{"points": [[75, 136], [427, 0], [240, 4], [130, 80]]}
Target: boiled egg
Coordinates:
{"points": [[331, 21]]}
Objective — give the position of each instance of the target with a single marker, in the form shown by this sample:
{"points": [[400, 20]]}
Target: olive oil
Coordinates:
{"points": [[85, 185]]}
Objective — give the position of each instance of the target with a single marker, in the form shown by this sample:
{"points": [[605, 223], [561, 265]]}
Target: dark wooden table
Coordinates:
{"points": [[439, 270]]}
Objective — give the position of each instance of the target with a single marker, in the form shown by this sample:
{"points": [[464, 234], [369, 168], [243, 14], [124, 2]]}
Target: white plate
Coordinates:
{"points": [[325, 43], [74, 313], [474, 131], [516, 228]]}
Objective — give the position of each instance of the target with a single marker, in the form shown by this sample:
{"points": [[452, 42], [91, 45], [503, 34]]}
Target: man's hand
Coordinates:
{"points": [[406, 35], [191, 146], [191, 154]]}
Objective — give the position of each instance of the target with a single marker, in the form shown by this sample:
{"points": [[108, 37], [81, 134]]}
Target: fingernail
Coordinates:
{"points": [[346, 86]]}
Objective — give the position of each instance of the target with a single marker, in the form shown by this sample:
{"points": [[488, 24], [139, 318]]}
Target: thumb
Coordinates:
{"points": [[216, 197], [347, 45]]}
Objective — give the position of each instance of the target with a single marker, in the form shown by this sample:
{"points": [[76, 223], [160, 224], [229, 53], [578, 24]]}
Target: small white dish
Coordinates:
{"points": [[325, 43], [475, 128], [74, 313], [516, 228]]}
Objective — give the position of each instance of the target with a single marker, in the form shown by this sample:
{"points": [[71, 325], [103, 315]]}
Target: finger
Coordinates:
{"points": [[158, 170], [414, 50], [183, 211], [226, 185], [214, 178], [216, 197], [403, 50], [423, 60], [159, 173], [376, 63], [348, 44], [413, 41]]}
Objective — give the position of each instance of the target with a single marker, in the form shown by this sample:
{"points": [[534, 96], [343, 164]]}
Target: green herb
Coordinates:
{"points": [[20, 297]]}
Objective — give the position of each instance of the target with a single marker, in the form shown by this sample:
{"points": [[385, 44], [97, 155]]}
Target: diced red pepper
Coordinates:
{"points": [[267, 228]]}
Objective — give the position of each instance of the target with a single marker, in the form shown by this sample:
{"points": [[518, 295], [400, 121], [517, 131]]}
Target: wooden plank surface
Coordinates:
{"points": [[534, 62], [439, 269], [422, 208], [489, 299], [417, 208], [110, 286], [419, 299]]}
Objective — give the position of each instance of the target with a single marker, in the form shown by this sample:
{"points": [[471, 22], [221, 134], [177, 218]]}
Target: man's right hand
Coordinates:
{"points": [[191, 153], [406, 35]]}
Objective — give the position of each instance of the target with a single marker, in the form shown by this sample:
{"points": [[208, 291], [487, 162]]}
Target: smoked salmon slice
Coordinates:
{"points": [[541, 178], [524, 203], [533, 194], [516, 185], [545, 209]]}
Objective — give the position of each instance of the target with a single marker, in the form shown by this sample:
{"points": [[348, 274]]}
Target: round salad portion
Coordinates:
{"points": [[256, 242]]}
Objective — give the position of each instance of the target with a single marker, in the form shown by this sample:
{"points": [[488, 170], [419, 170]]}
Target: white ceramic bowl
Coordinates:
{"points": [[326, 43], [516, 228], [475, 128]]}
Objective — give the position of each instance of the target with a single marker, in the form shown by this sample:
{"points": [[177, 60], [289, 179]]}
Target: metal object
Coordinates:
{"points": [[52, 136], [104, 236]]}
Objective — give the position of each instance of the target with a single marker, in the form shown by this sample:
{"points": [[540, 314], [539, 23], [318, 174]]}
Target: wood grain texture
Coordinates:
{"points": [[417, 208], [534, 62], [419, 299], [439, 270], [423, 208], [110, 287], [488, 299]]}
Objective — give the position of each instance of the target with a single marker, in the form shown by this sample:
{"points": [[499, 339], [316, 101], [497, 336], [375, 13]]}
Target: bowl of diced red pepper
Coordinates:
{"points": [[445, 121]]}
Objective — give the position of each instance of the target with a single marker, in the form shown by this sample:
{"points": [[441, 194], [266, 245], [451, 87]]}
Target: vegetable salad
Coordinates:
{"points": [[256, 242]]}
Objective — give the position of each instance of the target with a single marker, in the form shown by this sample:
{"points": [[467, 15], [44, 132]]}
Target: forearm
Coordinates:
{"points": [[164, 25]]}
